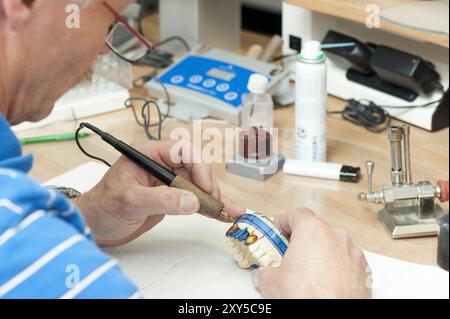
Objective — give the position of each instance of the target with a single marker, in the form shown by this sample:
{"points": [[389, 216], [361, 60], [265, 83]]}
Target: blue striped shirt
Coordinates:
{"points": [[46, 249]]}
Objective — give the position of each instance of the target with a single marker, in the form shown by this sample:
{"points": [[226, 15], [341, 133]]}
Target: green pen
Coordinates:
{"points": [[52, 138]]}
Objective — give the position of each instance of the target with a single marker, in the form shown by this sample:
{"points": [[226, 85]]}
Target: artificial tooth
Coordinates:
{"points": [[259, 253], [254, 247], [265, 261]]}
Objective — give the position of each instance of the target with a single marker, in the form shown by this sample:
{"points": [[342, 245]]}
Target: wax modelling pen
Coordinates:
{"points": [[331, 171], [208, 204], [52, 138]]}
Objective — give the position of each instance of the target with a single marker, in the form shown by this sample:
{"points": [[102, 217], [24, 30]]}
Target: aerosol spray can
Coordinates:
{"points": [[311, 104]]}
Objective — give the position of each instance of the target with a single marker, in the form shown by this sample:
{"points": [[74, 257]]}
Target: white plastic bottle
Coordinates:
{"points": [[257, 106], [311, 104]]}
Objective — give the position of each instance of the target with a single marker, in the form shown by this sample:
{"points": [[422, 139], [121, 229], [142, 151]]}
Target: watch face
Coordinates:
{"points": [[69, 192]]}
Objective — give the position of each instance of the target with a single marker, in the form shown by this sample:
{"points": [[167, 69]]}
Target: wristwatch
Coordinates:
{"points": [[68, 191]]}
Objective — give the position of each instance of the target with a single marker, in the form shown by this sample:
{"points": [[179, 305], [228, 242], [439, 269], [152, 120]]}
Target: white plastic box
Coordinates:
{"points": [[213, 22]]}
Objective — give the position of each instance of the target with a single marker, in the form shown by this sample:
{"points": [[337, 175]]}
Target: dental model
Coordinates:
{"points": [[255, 242]]}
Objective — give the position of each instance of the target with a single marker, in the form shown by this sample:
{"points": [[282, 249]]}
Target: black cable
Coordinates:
{"points": [[165, 41], [77, 140], [373, 117], [168, 101], [157, 170], [146, 109], [146, 116], [140, 81], [370, 116], [438, 86]]}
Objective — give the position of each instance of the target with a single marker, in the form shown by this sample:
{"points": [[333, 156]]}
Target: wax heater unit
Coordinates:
{"points": [[211, 82]]}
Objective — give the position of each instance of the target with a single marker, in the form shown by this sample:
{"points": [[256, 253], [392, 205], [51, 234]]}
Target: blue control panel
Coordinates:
{"points": [[218, 79]]}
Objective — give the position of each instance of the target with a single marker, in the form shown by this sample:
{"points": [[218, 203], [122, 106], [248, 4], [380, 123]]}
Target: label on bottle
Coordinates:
{"points": [[310, 112], [311, 142]]}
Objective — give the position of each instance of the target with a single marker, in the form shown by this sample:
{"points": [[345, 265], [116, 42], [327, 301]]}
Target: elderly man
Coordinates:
{"points": [[42, 232]]}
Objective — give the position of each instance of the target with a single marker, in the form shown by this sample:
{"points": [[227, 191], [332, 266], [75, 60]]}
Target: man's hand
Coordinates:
{"points": [[129, 201], [321, 262]]}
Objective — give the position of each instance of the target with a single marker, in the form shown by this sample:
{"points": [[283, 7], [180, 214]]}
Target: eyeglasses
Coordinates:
{"points": [[124, 41]]}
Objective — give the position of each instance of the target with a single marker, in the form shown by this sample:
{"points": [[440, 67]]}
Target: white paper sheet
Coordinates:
{"points": [[82, 178], [187, 257]]}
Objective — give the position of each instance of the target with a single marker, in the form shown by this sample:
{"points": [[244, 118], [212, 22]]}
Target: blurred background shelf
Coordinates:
{"points": [[356, 10]]}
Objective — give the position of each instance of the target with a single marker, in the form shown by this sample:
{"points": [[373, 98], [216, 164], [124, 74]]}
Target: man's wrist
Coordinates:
{"points": [[81, 202], [75, 197]]}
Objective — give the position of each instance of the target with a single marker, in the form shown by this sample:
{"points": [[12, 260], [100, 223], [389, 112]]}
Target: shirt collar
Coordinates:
{"points": [[10, 150]]}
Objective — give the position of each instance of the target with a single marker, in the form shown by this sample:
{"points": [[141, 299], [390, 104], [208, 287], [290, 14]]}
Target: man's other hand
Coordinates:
{"points": [[321, 262]]}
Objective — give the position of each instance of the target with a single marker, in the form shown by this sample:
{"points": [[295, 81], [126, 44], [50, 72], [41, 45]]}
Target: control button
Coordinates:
{"points": [[196, 79], [209, 83], [177, 79], [223, 87], [231, 96]]}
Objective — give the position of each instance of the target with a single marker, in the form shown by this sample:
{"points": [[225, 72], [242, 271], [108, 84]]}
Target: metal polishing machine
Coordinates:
{"points": [[409, 209]]}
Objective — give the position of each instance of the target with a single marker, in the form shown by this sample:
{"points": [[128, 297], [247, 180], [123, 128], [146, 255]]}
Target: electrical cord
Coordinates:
{"points": [[146, 122], [438, 86], [161, 43], [140, 81], [77, 140], [159, 59], [370, 116], [146, 116], [374, 117]]}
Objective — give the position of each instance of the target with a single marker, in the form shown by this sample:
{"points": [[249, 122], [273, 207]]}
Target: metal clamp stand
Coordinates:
{"points": [[409, 209]]}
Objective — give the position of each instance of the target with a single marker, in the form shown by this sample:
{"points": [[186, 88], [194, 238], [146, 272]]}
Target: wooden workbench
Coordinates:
{"points": [[334, 201]]}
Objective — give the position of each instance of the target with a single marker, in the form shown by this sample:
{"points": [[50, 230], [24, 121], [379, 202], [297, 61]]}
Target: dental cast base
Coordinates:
{"points": [[255, 242]]}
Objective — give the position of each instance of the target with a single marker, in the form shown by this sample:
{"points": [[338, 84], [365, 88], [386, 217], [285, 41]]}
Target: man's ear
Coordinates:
{"points": [[18, 12]]}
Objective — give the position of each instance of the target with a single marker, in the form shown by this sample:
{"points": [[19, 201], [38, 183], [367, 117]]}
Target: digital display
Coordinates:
{"points": [[220, 74]]}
